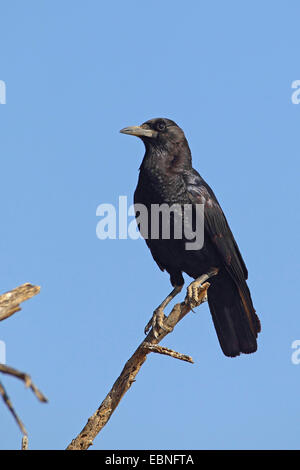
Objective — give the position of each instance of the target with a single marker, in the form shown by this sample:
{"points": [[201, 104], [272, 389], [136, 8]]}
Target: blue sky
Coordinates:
{"points": [[76, 72]]}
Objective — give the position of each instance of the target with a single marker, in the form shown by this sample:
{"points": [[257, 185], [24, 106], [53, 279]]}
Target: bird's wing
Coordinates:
{"points": [[215, 225], [232, 310]]}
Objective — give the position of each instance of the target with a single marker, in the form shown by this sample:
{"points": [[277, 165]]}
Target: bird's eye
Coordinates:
{"points": [[160, 126]]}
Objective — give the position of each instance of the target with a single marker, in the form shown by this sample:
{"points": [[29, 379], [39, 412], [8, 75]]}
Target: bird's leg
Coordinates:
{"points": [[197, 291], [157, 319]]}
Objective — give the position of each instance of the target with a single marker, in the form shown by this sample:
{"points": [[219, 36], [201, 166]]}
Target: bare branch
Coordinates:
{"points": [[9, 405], [26, 379], [24, 443], [10, 301], [101, 416], [168, 352], [10, 304]]}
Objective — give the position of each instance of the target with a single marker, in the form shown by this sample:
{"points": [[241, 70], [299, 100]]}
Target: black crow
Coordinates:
{"points": [[167, 177]]}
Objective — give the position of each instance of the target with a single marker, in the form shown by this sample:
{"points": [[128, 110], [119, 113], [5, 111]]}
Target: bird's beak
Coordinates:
{"points": [[139, 131]]}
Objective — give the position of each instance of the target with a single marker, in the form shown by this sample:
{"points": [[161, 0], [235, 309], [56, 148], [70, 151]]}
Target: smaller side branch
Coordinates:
{"points": [[9, 405], [26, 379], [168, 352], [10, 301]]}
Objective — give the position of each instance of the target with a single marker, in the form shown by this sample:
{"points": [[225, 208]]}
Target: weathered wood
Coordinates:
{"points": [[10, 301]]}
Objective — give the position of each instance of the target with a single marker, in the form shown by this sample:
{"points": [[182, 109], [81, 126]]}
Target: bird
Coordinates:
{"points": [[167, 177]]}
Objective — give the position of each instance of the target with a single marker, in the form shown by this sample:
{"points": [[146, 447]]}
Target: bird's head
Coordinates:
{"points": [[158, 131], [162, 137]]}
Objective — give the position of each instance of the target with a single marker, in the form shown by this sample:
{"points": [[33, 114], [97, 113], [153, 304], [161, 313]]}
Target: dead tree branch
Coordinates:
{"points": [[10, 304], [26, 379], [10, 301], [9, 405], [24, 445], [168, 352], [101, 416]]}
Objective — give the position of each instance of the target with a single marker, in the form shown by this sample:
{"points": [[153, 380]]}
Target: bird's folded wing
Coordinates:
{"points": [[215, 225]]}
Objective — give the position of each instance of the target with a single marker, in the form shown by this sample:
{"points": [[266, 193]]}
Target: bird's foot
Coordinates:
{"points": [[196, 294], [157, 322]]}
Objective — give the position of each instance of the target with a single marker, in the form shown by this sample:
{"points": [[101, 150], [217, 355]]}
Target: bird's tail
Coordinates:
{"points": [[234, 317]]}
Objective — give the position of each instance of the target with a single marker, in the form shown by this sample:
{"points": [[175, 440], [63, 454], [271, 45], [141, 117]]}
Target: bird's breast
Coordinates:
{"points": [[157, 188]]}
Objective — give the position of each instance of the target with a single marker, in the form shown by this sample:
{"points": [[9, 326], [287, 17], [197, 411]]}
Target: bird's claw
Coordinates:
{"points": [[196, 294], [156, 322]]}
